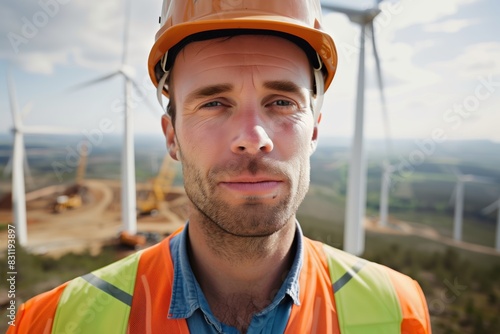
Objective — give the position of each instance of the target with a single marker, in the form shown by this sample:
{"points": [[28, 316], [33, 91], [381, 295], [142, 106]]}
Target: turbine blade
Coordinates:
{"points": [[456, 171], [341, 9], [127, 71], [29, 177], [361, 16], [480, 179], [385, 113], [93, 82], [490, 208], [14, 108], [8, 167], [26, 110], [453, 196], [126, 26], [148, 104], [49, 130]]}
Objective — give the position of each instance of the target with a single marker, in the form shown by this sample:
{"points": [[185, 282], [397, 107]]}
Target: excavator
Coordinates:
{"points": [[72, 198], [151, 202]]}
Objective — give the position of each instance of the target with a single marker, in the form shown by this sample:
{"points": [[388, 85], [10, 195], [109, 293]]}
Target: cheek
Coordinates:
{"points": [[295, 138], [199, 144]]}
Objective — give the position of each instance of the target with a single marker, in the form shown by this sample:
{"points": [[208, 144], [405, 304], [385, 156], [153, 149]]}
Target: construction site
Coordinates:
{"points": [[86, 214]]}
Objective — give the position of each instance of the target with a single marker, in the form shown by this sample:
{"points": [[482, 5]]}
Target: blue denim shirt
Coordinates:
{"points": [[188, 301]]}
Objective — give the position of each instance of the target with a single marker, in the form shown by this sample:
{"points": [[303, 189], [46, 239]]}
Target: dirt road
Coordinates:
{"points": [[406, 228], [96, 223]]}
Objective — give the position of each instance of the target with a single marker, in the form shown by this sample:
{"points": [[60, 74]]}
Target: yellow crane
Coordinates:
{"points": [[72, 197], [161, 184]]}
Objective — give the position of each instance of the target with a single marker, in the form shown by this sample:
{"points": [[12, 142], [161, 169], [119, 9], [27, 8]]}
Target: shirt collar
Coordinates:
{"points": [[187, 295]]}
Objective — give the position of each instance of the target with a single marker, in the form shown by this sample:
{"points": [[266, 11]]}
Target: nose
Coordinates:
{"points": [[251, 138]]}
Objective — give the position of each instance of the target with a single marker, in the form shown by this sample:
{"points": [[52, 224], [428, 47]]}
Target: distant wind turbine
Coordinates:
{"points": [[458, 195], [354, 233], [17, 163], [128, 191], [385, 188], [489, 209]]}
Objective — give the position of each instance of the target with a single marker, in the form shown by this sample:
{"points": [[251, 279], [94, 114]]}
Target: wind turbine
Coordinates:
{"points": [[18, 160], [458, 195], [489, 209], [128, 192], [354, 233], [385, 187]]}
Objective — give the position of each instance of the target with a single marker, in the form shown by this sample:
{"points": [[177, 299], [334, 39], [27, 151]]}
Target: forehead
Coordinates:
{"points": [[266, 55]]}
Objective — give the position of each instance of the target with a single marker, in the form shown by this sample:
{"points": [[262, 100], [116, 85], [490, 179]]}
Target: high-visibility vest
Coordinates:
{"points": [[360, 297]]}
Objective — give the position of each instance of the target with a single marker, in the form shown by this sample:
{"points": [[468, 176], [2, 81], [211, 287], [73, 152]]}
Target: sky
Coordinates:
{"points": [[440, 62]]}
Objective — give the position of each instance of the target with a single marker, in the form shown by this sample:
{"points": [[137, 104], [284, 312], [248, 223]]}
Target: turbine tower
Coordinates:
{"points": [[18, 191], [489, 209], [354, 233], [17, 163], [458, 195], [384, 193]]}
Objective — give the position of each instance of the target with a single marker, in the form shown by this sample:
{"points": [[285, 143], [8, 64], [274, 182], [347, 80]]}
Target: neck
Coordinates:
{"points": [[239, 274]]}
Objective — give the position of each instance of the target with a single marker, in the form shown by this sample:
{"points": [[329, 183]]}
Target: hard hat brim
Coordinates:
{"points": [[321, 42]]}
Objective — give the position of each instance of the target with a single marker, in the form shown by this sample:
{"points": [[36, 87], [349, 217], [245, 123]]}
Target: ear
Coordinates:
{"points": [[314, 139], [169, 132]]}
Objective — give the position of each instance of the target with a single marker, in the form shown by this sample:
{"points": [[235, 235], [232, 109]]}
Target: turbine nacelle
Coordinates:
{"points": [[360, 16]]}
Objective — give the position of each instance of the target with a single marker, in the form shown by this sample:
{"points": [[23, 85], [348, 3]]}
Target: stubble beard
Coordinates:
{"points": [[242, 231]]}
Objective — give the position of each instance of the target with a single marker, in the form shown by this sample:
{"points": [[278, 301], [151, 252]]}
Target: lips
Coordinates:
{"points": [[252, 185]]}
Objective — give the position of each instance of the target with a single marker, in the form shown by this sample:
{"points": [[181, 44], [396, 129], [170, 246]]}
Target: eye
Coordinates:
{"points": [[282, 103], [212, 104]]}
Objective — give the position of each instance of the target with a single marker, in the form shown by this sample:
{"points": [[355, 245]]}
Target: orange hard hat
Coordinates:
{"points": [[299, 19]]}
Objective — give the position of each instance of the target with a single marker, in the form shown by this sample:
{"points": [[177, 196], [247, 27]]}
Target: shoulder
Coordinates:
{"points": [[381, 288], [38, 313], [35, 315], [346, 267]]}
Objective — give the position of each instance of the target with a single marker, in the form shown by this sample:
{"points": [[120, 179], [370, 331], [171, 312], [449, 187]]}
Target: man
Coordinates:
{"points": [[245, 81]]}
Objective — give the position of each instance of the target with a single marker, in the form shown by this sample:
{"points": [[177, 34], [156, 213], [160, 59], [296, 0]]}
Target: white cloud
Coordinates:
{"points": [[477, 60], [412, 12], [84, 33], [420, 93], [449, 26], [397, 58], [399, 63], [41, 62]]}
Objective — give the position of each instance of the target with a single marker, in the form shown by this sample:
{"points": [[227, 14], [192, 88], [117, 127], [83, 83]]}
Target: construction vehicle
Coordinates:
{"points": [[139, 240], [149, 203], [72, 198], [127, 239]]}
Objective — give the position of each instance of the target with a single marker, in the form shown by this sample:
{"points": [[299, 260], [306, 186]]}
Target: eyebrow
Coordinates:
{"points": [[283, 86], [208, 91]]}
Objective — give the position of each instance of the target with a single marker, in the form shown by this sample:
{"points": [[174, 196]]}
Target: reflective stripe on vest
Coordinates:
{"points": [[365, 298], [98, 302]]}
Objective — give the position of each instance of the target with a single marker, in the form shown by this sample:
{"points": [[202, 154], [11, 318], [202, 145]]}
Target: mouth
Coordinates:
{"points": [[253, 186]]}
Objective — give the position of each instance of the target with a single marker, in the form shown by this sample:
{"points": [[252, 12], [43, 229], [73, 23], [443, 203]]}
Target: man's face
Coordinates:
{"points": [[244, 130]]}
